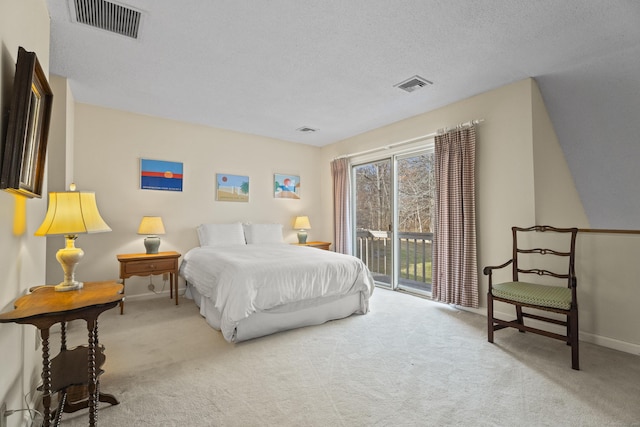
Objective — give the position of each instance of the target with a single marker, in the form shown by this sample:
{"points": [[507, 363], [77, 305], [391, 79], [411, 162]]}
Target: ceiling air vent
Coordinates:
{"points": [[413, 83], [108, 16], [307, 129]]}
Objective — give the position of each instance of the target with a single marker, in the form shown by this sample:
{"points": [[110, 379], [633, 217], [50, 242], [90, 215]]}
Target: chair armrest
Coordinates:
{"points": [[488, 269]]}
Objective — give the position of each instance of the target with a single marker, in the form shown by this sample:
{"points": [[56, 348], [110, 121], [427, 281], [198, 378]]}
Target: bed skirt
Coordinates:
{"points": [[283, 318]]}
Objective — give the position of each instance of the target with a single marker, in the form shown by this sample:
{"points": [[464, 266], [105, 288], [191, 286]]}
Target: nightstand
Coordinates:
{"points": [[150, 264], [319, 245]]}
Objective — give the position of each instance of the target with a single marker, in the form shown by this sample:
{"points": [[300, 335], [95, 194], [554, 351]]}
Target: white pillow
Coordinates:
{"points": [[263, 233], [221, 234]]}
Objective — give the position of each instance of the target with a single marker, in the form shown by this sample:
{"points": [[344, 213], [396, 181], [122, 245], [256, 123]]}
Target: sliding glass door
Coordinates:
{"points": [[373, 218], [393, 211], [415, 184]]}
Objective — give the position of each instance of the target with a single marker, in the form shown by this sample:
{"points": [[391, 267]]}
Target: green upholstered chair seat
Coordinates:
{"points": [[535, 294]]}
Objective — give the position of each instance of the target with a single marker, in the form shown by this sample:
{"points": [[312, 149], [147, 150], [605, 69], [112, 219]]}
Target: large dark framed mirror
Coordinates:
{"points": [[25, 146]]}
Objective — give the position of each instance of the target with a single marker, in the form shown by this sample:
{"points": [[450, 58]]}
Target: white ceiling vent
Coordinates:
{"points": [[107, 16], [413, 83], [307, 129]]}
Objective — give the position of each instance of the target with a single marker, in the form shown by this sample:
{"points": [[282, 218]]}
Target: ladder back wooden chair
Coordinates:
{"points": [[548, 297]]}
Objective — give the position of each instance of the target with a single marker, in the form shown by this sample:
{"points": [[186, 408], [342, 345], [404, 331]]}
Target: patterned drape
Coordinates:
{"points": [[455, 273], [341, 187]]}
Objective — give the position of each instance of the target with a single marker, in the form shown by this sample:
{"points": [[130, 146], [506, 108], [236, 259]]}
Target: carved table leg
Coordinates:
{"points": [[92, 327], [122, 302], [63, 336], [174, 280], [57, 416], [46, 377]]}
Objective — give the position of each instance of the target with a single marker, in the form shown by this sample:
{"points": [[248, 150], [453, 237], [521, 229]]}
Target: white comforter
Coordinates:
{"points": [[244, 279]]}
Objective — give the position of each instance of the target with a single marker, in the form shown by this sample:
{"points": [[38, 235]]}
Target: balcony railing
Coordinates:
{"points": [[373, 247]]}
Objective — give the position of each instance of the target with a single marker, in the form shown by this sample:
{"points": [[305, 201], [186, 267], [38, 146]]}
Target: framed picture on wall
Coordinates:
{"points": [[286, 186], [232, 188], [160, 175], [25, 147]]}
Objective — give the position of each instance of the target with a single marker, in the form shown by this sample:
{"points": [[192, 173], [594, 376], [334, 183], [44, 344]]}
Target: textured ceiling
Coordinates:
{"points": [[271, 67]]}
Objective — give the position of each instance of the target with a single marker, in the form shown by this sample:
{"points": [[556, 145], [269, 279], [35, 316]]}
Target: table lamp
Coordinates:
{"points": [[69, 214], [302, 223], [152, 226]]}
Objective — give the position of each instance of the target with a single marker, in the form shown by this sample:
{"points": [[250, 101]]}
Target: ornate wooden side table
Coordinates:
{"points": [[45, 307]]}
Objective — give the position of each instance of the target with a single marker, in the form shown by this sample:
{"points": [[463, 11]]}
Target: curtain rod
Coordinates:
{"points": [[416, 139]]}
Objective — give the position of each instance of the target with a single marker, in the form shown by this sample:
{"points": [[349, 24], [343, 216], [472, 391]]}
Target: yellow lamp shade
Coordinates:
{"points": [[72, 212], [302, 223], [151, 225]]}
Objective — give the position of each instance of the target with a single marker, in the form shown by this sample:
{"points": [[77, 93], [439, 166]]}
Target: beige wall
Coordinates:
{"points": [[61, 135], [60, 157], [22, 255], [108, 148], [609, 292], [523, 179]]}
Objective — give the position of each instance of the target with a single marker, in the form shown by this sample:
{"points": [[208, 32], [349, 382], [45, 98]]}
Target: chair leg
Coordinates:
{"points": [[573, 338], [519, 316], [489, 317]]}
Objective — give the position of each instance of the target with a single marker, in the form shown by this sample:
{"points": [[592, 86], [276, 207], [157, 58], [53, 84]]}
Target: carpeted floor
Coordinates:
{"points": [[409, 362]]}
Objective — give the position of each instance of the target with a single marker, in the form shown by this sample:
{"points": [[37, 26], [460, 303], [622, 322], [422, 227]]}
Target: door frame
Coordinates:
{"points": [[392, 157]]}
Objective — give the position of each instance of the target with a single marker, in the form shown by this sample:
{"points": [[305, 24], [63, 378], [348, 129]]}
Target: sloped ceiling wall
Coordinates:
{"points": [[595, 108]]}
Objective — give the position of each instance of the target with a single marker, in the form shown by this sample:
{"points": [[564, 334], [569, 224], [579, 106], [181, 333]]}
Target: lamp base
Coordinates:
{"points": [[152, 243], [302, 237], [72, 286], [69, 257]]}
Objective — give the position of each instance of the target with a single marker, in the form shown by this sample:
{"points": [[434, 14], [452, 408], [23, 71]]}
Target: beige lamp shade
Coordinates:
{"points": [[151, 225], [302, 223], [69, 214]]}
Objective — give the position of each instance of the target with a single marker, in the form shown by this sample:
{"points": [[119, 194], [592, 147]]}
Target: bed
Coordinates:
{"points": [[249, 283]]}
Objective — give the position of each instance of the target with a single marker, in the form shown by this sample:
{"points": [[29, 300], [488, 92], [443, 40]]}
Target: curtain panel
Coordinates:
{"points": [[340, 171], [455, 273]]}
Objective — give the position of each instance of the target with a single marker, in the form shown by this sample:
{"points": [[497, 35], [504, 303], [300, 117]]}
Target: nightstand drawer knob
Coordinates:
{"points": [[152, 266]]}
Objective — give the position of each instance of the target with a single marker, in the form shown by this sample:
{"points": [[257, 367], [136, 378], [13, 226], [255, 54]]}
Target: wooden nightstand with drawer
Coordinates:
{"points": [[150, 264], [319, 245]]}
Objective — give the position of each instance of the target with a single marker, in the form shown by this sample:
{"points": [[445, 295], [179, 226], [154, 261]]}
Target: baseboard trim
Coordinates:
{"points": [[624, 346], [150, 295], [611, 343]]}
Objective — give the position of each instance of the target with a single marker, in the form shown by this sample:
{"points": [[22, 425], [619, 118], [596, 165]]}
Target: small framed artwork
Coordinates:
{"points": [[160, 175], [232, 188], [25, 147], [286, 186]]}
